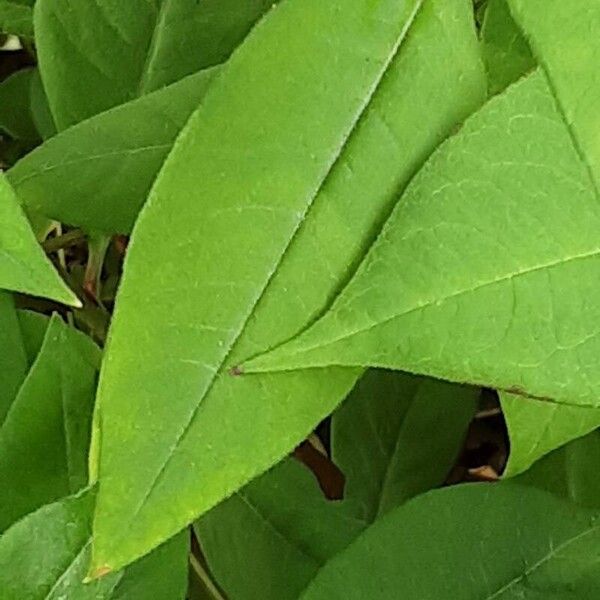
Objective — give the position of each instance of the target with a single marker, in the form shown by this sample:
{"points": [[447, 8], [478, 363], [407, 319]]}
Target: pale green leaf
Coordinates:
{"points": [[45, 556], [536, 427], [16, 18], [570, 472], [471, 542], [379, 433], [96, 54], [270, 539], [16, 118], [23, 266], [45, 437], [322, 125], [506, 54], [13, 357], [485, 272], [98, 173]]}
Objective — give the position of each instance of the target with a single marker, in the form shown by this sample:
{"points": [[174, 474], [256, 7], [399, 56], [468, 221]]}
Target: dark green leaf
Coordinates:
{"points": [[472, 542], [98, 173], [16, 18], [16, 118]]}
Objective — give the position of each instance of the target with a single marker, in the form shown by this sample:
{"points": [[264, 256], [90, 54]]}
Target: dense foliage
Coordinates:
{"points": [[299, 300]]}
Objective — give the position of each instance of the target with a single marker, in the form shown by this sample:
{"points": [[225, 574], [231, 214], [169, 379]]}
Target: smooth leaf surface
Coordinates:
{"points": [[23, 266], [501, 541], [16, 18], [569, 472], [13, 358], [271, 538], [457, 287], [282, 277], [45, 436], [378, 434], [33, 328], [44, 557], [16, 118], [98, 173], [40, 109], [536, 427], [505, 51], [123, 50]]}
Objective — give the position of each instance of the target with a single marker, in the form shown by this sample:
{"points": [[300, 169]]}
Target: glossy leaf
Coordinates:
{"points": [[536, 427], [16, 18], [569, 472], [123, 50], [44, 557], [98, 173], [306, 228], [457, 287], [378, 437], [15, 106], [505, 51], [472, 542], [44, 439], [13, 358], [271, 538], [23, 265]]}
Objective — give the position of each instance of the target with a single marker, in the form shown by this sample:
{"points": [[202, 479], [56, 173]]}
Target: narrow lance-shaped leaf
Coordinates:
{"points": [[457, 287], [45, 555], [284, 153], [502, 541], [397, 436], [214, 192], [23, 266], [33, 328], [123, 50], [271, 538], [45, 437], [98, 173], [13, 359], [536, 427]]}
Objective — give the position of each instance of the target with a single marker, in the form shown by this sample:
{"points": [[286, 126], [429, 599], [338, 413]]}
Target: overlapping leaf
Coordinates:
{"points": [[486, 272], [98, 173], [45, 436], [272, 537], [472, 542], [23, 265], [45, 555], [307, 161], [96, 54], [16, 17]]}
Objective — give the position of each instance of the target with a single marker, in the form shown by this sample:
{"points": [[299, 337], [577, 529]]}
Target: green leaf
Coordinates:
{"points": [[536, 427], [15, 106], [269, 539], [98, 173], [457, 287], [44, 557], [505, 51], [23, 265], [378, 433], [569, 472], [123, 50], [44, 439], [562, 36], [40, 109], [16, 18], [358, 135], [471, 542], [13, 359], [33, 331]]}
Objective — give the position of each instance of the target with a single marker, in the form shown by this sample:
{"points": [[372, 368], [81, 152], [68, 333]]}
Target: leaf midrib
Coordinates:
{"points": [[336, 156]]}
